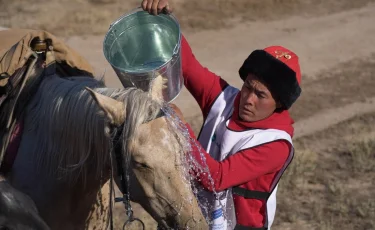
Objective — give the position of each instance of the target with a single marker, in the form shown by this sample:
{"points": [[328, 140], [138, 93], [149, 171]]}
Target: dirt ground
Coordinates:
{"points": [[329, 184]]}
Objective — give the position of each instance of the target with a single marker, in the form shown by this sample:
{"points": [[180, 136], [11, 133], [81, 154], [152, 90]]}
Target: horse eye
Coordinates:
{"points": [[140, 165]]}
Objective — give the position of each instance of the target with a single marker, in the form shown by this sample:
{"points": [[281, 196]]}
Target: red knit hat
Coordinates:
{"points": [[279, 69]]}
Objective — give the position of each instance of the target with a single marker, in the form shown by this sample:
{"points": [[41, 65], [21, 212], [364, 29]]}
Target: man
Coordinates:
{"points": [[246, 136]]}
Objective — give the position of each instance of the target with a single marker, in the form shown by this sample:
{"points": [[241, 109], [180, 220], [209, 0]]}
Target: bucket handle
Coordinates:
{"points": [[136, 10], [126, 15]]}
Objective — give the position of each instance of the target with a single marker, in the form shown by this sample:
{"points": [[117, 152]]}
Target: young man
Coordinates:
{"points": [[247, 134]]}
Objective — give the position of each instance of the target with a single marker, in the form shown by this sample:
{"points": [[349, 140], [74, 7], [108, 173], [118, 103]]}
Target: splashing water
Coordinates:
{"points": [[190, 164], [186, 145]]}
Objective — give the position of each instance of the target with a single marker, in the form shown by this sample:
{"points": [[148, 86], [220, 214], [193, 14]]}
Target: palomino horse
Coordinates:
{"points": [[64, 159]]}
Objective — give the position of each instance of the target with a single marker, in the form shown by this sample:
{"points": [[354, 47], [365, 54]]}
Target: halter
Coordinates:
{"points": [[123, 173]]}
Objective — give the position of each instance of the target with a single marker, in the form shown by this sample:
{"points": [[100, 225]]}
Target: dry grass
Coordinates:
{"points": [[362, 157], [64, 17], [78, 17], [336, 86], [331, 187], [216, 14]]}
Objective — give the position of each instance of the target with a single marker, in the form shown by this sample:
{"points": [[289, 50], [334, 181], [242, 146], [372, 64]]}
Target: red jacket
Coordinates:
{"points": [[253, 168]]}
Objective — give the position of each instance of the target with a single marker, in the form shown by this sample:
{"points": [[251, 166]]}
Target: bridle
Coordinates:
{"points": [[122, 172]]}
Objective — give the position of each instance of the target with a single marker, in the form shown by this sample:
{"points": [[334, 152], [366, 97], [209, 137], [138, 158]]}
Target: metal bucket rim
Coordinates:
{"points": [[134, 11]]}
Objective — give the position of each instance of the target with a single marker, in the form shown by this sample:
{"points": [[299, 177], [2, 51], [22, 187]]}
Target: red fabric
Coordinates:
{"points": [[204, 85], [287, 57], [253, 168]]}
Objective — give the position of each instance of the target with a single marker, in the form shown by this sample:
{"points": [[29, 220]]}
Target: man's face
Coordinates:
{"points": [[256, 101]]}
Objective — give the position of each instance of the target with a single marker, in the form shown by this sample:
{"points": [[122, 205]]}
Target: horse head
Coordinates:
{"points": [[154, 155]]}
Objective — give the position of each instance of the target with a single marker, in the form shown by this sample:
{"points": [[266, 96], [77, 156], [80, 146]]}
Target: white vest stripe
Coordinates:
{"points": [[216, 115]]}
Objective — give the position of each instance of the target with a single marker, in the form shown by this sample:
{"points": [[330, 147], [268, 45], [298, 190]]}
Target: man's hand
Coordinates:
{"points": [[156, 6], [178, 112]]}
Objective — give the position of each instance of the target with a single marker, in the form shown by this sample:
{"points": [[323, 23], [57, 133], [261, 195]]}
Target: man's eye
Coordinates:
{"points": [[261, 95]]}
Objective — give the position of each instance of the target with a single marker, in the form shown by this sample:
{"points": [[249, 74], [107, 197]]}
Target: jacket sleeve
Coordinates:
{"points": [[241, 167], [204, 85]]}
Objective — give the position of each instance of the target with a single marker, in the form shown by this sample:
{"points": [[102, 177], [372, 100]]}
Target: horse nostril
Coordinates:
{"points": [[4, 228]]}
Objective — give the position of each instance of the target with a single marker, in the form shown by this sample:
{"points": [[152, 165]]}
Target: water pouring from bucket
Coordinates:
{"points": [[144, 51]]}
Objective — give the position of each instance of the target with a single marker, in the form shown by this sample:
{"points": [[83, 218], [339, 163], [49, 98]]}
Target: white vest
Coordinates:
{"points": [[221, 142]]}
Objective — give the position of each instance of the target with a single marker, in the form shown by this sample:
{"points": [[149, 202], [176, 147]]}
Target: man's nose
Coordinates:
{"points": [[251, 98]]}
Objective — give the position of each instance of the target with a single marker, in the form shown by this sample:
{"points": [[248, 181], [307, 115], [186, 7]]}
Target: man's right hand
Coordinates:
{"points": [[156, 6]]}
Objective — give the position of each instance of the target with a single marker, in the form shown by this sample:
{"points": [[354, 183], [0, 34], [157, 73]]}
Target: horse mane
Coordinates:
{"points": [[70, 133]]}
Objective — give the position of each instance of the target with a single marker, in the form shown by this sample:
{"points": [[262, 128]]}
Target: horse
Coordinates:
{"points": [[74, 131], [17, 210]]}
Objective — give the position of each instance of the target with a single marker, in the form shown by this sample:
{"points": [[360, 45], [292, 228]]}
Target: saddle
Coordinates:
{"points": [[26, 58]]}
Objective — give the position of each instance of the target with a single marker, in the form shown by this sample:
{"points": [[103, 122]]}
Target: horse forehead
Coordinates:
{"points": [[156, 132], [150, 130]]}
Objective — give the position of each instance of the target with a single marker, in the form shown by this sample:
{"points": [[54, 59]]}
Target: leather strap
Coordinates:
{"points": [[250, 194]]}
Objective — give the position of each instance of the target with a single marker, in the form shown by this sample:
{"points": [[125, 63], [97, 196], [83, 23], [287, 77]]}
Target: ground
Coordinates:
{"points": [[329, 184]]}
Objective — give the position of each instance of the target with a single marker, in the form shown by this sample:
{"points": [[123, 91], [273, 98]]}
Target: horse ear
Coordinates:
{"points": [[115, 110], [157, 88]]}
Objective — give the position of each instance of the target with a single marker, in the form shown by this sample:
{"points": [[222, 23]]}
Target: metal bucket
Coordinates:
{"points": [[140, 46]]}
